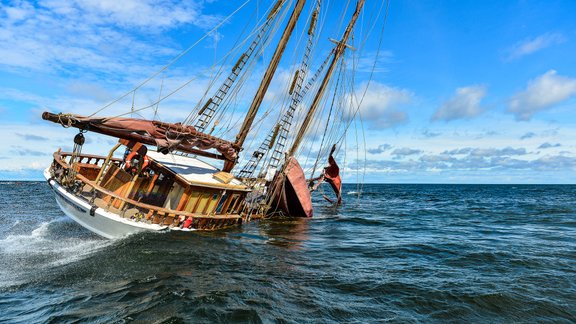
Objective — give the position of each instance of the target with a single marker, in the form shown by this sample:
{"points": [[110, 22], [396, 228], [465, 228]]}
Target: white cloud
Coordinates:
{"points": [[540, 94], [464, 104], [379, 108], [111, 37], [134, 13], [535, 44]]}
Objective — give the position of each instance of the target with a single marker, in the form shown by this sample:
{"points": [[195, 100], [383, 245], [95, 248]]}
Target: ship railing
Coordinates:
{"points": [[90, 159], [128, 208]]}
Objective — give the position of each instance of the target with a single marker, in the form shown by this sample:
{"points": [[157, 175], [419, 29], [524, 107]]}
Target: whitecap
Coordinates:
{"points": [[25, 255]]}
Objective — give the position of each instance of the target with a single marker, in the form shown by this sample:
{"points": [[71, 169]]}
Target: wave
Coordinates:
{"points": [[51, 244]]}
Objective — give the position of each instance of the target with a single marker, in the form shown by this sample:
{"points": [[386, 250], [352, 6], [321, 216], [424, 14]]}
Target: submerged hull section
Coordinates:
{"points": [[290, 195]]}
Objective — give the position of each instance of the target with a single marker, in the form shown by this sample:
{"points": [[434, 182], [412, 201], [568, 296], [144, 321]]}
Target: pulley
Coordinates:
{"points": [[79, 139]]}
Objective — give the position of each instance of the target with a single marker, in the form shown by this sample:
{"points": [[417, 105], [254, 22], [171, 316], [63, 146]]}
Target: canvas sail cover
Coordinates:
{"points": [[165, 135]]}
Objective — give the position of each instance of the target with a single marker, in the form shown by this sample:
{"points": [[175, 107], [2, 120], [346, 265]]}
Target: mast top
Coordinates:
{"points": [[259, 96], [337, 54]]}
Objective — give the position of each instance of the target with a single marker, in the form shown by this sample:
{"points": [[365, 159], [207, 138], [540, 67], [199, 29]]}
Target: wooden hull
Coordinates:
{"points": [[97, 220], [290, 194], [120, 204]]}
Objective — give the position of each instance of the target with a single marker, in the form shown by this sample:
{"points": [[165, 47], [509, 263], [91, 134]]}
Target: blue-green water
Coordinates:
{"points": [[400, 253]]}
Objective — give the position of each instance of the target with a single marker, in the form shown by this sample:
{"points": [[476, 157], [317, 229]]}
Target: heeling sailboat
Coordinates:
{"points": [[171, 187]]}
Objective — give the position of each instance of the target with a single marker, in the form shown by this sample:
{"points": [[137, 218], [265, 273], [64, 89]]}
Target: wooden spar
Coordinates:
{"points": [[65, 120], [338, 51], [266, 80]]}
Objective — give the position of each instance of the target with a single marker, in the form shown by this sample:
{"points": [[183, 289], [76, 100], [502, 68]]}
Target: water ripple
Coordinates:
{"points": [[400, 253]]}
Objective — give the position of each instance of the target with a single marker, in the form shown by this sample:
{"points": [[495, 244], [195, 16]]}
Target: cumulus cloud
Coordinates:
{"points": [[548, 145], [541, 93], [380, 149], [530, 46], [379, 106], [464, 104]]}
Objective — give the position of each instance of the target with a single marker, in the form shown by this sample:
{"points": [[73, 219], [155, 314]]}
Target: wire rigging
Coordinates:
{"points": [[172, 61]]}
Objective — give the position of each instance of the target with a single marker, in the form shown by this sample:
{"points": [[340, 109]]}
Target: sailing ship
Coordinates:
{"points": [[162, 176]]}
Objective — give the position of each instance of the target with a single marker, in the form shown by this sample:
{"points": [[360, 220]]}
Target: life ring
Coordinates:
{"points": [[130, 158]]}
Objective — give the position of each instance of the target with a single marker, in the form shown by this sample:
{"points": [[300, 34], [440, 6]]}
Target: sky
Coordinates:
{"points": [[462, 92]]}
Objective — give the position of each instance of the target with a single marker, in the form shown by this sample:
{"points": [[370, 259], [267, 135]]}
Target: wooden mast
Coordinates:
{"points": [[259, 96], [338, 51]]}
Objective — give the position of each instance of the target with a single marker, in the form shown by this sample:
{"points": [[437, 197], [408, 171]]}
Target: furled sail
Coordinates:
{"points": [[167, 136]]}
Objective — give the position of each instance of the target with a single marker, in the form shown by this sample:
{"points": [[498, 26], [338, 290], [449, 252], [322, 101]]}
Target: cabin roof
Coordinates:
{"points": [[194, 171]]}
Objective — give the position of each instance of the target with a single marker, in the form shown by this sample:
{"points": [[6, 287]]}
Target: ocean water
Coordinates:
{"points": [[396, 253]]}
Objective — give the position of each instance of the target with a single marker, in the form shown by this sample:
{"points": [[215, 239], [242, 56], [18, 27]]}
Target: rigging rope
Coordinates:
{"points": [[373, 67], [211, 106], [175, 90], [173, 60], [338, 80]]}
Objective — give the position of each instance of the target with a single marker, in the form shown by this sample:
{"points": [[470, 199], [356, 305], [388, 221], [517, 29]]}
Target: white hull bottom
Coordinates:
{"points": [[97, 220]]}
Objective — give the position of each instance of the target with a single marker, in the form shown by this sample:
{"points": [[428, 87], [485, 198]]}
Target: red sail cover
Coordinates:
{"points": [[165, 135], [290, 193], [332, 176]]}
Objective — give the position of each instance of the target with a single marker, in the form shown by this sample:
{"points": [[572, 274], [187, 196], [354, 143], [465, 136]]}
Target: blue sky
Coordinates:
{"points": [[463, 92]]}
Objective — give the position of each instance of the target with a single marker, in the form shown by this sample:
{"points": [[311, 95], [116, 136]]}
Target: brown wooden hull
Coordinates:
{"points": [[113, 206]]}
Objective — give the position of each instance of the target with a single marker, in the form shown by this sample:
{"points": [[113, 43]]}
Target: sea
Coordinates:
{"points": [[400, 253]]}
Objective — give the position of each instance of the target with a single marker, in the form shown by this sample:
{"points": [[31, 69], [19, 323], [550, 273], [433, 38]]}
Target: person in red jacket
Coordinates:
{"points": [[187, 223]]}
